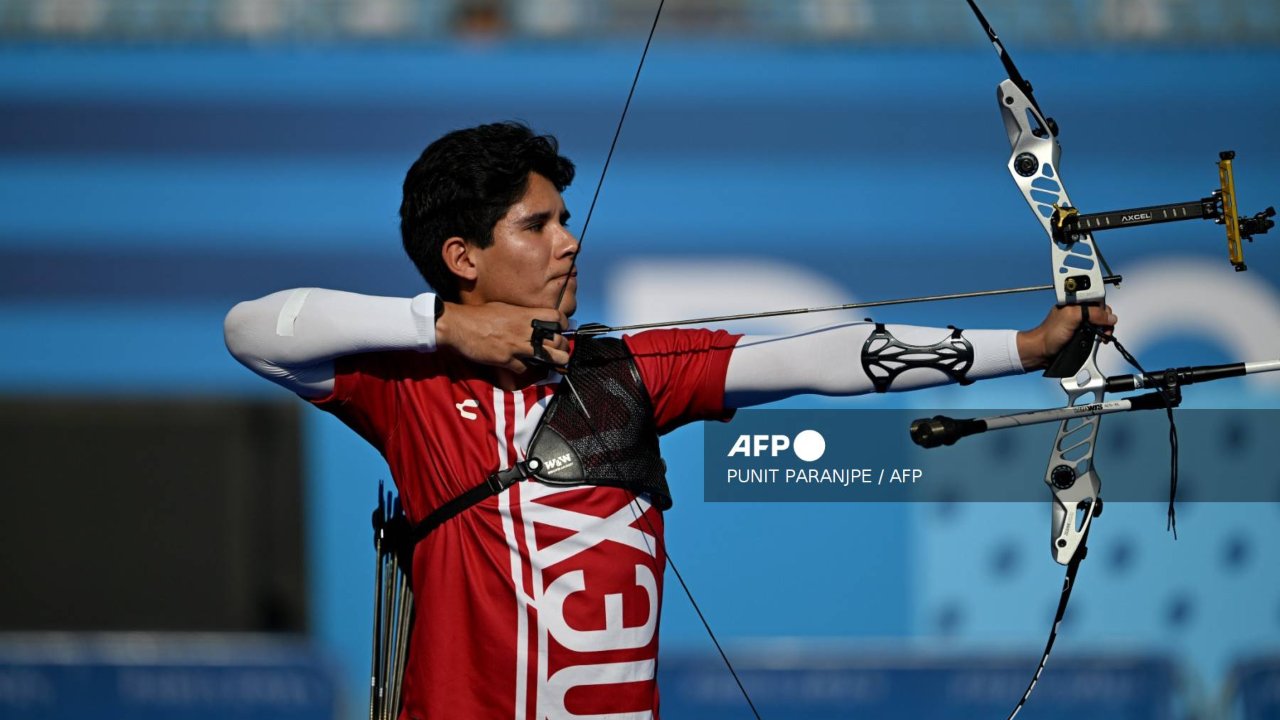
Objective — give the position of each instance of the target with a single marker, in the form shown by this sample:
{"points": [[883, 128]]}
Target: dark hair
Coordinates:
{"points": [[464, 183]]}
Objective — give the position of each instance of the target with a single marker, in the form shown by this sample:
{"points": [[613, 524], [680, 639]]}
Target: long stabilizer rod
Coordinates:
{"points": [[942, 430]]}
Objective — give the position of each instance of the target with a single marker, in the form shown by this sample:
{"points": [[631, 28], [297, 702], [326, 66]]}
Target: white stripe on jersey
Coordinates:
{"points": [[500, 427], [546, 605], [517, 564], [520, 436]]}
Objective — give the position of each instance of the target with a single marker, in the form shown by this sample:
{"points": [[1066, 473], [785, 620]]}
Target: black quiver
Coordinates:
{"points": [[392, 606]]}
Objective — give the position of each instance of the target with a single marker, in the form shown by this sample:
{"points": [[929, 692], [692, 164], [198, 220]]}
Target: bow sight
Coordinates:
{"points": [[1067, 224]]}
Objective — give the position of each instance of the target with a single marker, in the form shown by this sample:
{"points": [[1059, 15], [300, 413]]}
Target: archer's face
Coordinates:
{"points": [[532, 252]]}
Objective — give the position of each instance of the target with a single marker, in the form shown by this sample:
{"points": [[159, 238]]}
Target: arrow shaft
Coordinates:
{"points": [[590, 331]]}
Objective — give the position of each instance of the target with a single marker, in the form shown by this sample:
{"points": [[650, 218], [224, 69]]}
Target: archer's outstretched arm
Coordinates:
{"points": [[857, 358], [851, 359]]}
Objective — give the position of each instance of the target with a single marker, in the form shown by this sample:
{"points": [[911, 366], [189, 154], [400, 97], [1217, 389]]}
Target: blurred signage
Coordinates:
{"points": [[158, 677]]}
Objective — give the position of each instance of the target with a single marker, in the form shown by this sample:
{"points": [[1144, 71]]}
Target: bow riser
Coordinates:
{"points": [[1077, 278], [1033, 164], [1070, 473]]}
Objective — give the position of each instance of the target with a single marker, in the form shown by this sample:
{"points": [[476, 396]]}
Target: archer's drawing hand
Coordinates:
{"points": [[499, 334], [1038, 347]]}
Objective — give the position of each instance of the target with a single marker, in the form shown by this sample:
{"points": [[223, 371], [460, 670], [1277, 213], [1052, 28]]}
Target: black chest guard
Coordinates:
{"points": [[598, 429]]}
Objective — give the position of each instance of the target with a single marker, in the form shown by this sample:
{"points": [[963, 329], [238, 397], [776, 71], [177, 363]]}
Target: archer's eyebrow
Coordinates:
{"points": [[542, 218]]}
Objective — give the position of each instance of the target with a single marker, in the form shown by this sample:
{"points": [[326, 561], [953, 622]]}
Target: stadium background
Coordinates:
{"points": [[160, 161]]}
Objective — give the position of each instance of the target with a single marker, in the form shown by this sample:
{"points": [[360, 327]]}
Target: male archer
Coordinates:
{"points": [[537, 595]]}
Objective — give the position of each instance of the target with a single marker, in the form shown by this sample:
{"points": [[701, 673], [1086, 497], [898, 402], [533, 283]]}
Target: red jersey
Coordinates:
{"points": [[541, 602]]}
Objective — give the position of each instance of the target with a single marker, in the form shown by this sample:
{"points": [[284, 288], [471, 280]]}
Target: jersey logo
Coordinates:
{"points": [[465, 407]]}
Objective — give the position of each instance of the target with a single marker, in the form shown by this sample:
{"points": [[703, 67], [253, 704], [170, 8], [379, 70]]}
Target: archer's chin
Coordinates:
{"points": [[569, 303]]}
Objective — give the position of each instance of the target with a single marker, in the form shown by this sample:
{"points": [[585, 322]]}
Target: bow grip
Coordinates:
{"points": [[1073, 355]]}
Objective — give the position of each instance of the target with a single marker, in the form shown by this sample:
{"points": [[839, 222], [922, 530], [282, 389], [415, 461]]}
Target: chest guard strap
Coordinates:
{"points": [[598, 429]]}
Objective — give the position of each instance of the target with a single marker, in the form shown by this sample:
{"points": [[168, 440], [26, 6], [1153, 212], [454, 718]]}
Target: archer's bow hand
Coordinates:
{"points": [[1037, 347], [498, 334]]}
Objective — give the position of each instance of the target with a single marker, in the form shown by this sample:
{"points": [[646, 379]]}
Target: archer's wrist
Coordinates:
{"points": [[426, 309], [1031, 350]]}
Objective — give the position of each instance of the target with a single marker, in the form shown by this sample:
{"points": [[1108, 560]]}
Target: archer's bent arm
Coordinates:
{"points": [[292, 337], [829, 361]]}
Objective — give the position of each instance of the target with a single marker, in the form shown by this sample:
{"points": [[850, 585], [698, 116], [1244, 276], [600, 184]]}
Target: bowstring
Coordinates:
{"points": [[642, 515], [640, 512], [617, 132]]}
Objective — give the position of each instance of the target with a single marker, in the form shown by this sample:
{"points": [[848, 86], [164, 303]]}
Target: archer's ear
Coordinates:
{"points": [[456, 253]]}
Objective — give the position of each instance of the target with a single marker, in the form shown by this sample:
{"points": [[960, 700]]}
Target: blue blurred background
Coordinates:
{"points": [[160, 161]]}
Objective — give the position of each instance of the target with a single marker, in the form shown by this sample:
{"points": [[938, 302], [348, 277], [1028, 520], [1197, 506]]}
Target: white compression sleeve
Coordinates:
{"points": [[292, 337], [829, 362]]}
